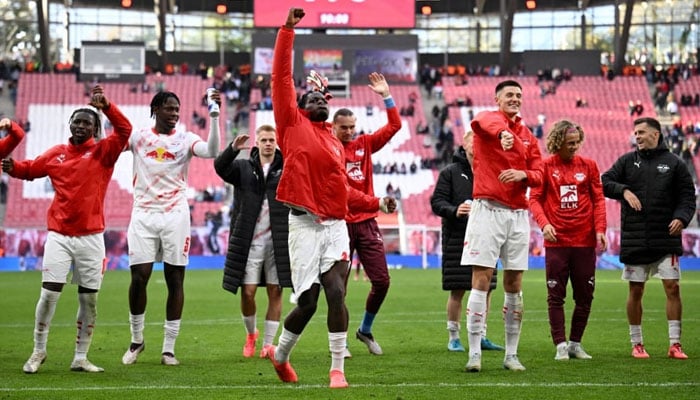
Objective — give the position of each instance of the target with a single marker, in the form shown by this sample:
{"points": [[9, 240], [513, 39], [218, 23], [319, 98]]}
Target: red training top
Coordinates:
{"points": [[571, 200], [79, 175]]}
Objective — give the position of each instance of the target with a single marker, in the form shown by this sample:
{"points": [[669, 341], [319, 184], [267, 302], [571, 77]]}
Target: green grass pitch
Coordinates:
{"points": [[410, 327]]}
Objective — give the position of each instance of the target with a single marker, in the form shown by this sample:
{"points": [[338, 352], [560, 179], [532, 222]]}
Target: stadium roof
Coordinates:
{"points": [[438, 6]]}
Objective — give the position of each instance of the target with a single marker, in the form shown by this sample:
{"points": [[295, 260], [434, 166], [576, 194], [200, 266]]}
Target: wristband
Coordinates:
{"points": [[389, 102]]}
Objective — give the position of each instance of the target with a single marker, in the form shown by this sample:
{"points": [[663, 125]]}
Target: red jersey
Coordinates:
{"points": [[571, 200], [313, 176], [14, 136], [490, 159], [358, 161], [79, 175]]}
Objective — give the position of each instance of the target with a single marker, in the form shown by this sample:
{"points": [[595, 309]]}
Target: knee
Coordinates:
{"points": [[308, 308], [381, 286]]}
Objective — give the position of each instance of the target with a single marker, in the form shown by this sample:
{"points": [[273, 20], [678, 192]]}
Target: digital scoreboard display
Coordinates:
{"points": [[344, 14]]}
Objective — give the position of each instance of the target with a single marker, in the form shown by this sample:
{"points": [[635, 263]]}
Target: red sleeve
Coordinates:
{"points": [[537, 204], [384, 134], [284, 105], [33, 169], [358, 201], [489, 123], [14, 137], [534, 162], [114, 144]]}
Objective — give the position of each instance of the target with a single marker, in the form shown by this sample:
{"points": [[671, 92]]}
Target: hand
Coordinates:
{"points": [[8, 164], [378, 84], [602, 241], [295, 15], [507, 140], [319, 83], [511, 175], [632, 200], [549, 233], [98, 99], [675, 227], [239, 142], [463, 210], [216, 96], [387, 205], [5, 123]]}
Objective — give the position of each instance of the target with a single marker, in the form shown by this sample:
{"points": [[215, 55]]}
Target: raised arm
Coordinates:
{"points": [[283, 91], [378, 84], [15, 134], [224, 164], [211, 148]]}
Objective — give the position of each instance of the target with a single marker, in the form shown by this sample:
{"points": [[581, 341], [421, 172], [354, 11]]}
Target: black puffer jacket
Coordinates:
{"points": [[250, 189], [664, 186], [453, 187]]}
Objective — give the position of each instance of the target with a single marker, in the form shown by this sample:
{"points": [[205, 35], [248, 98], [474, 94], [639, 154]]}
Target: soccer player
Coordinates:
{"points": [[569, 207], [15, 134], [160, 221], [314, 185], [659, 201], [75, 221], [258, 252], [365, 237], [506, 161], [451, 200]]}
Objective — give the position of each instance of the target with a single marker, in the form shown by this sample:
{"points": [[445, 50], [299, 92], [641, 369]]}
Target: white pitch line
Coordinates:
{"points": [[398, 385]]}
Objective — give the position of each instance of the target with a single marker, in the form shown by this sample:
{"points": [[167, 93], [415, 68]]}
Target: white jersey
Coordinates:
{"points": [[161, 164]]}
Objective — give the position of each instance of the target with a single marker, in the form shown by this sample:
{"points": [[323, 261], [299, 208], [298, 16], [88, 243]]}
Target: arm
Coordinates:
{"points": [[538, 199], [685, 189], [284, 105], [15, 134], [224, 164], [115, 143], [599, 214], [382, 136], [211, 148], [440, 200]]}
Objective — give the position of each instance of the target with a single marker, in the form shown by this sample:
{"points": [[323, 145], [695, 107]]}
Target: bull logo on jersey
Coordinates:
{"points": [[579, 176], [663, 168], [160, 154], [568, 196], [355, 171]]}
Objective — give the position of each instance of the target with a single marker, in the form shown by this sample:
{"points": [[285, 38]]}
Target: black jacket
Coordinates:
{"points": [[665, 188], [453, 187], [250, 189]]}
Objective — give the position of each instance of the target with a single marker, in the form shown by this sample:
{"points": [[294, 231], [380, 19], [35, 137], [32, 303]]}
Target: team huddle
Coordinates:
{"points": [[305, 205]]}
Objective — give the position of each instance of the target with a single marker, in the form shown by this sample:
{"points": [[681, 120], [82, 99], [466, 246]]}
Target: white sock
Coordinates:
{"points": [[270, 331], [172, 330], [453, 328], [336, 343], [674, 331], [285, 345], [45, 309], [636, 334], [87, 314], [250, 321], [513, 319], [137, 324], [476, 313]]}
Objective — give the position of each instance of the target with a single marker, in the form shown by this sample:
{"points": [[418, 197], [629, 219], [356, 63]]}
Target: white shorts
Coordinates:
{"points": [[261, 259], [85, 253], [668, 267], [314, 248], [155, 237], [495, 231]]}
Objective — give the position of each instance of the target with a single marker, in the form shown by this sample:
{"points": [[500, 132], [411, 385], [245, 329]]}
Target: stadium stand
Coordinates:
{"points": [[47, 100]]}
